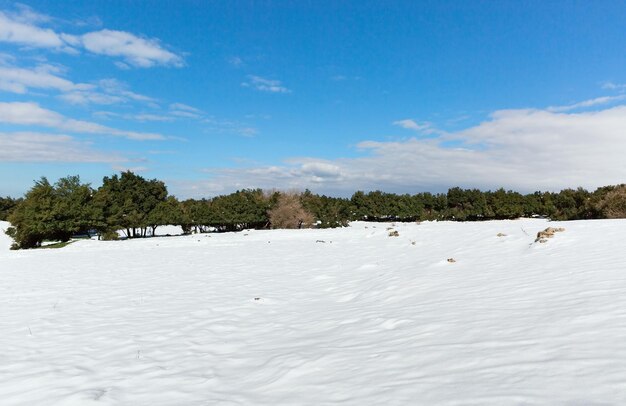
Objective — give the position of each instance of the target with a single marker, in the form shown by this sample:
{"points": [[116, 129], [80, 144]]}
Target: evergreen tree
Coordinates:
{"points": [[53, 212], [127, 200]]}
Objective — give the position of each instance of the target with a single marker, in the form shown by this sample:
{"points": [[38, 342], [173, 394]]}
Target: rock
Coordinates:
{"points": [[548, 233], [451, 260]]}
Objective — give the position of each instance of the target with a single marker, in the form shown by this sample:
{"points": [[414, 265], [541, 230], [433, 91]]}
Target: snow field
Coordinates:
{"points": [[312, 317]]}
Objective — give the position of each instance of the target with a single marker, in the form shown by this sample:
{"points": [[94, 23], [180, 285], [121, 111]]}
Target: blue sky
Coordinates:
{"points": [[332, 96]]}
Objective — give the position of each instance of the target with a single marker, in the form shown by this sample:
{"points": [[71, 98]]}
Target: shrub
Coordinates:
{"points": [[289, 213], [613, 205], [110, 235]]}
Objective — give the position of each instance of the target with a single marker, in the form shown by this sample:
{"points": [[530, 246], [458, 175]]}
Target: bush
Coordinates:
{"points": [[613, 205], [110, 235], [289, 213]]}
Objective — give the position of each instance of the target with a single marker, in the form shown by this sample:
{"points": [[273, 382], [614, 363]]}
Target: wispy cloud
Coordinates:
{"points": [[587, 103], [24, 27], [183, 110], [20, 31], [135, 169], [235, 61], [106, 91], [18, 80], [134, 50], [42, 147], [614, 86], [31, 114], [424, 127], [142, 117], [265, 85], [117, 87]]}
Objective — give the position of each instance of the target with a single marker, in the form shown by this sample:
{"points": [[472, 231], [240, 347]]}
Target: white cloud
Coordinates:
{"points": [[235, 61], [89, 97], [19, 80], [614, 86], [27, 15], [108, 91], [185, 111], [116, 87], [31, 114], [424, 127], [135, 169], [151, 117], [136, 51], [41, 147], [136, 117], [587, 103], [185, 107], [524, 150], [23, 32], [24, 28], [265, 85]]}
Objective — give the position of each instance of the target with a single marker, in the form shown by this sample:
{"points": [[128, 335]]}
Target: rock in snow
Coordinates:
{"points": [[365, 320]]}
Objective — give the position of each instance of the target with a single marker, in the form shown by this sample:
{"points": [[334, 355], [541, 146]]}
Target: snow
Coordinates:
{"points": [[312, 317], [5, 240]]}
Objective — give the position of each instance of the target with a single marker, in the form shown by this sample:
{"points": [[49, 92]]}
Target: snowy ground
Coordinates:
{"points": [[281, 318]]}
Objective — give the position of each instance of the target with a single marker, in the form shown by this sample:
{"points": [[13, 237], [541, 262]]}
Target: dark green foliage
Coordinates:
{"points": [[52, 212], [240, 210], [328, 211], [380, 206], [571, 204], [126, 202], [7, 204], [168, 211], [505, 204], [467, 204]]}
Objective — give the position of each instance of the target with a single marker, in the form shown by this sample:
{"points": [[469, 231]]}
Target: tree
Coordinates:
{"points": [[289, 213], [53, 212], [7, 204], [329, 212], [243, 209], [127, 200], [505, 204], [468, 204], [613, 205], [166, 212]]}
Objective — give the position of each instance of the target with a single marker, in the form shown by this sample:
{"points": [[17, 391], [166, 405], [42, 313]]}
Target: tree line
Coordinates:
{"points": [[135, 207]]}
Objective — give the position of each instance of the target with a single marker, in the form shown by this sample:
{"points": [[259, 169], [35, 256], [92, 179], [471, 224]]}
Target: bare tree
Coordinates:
{"points": [[288, 212]]}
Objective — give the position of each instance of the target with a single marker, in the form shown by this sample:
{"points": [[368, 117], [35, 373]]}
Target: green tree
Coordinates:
{"points": [[7, 204], [127, 200], [53, 212], [166, 212]]}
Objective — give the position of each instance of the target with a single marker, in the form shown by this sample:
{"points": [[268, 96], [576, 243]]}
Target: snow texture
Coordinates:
{"points": [[318, 317]]}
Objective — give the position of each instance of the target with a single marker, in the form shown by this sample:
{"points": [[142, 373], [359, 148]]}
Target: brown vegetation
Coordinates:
{"points": [[613, 205], [542, 236], [288, 212]]}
